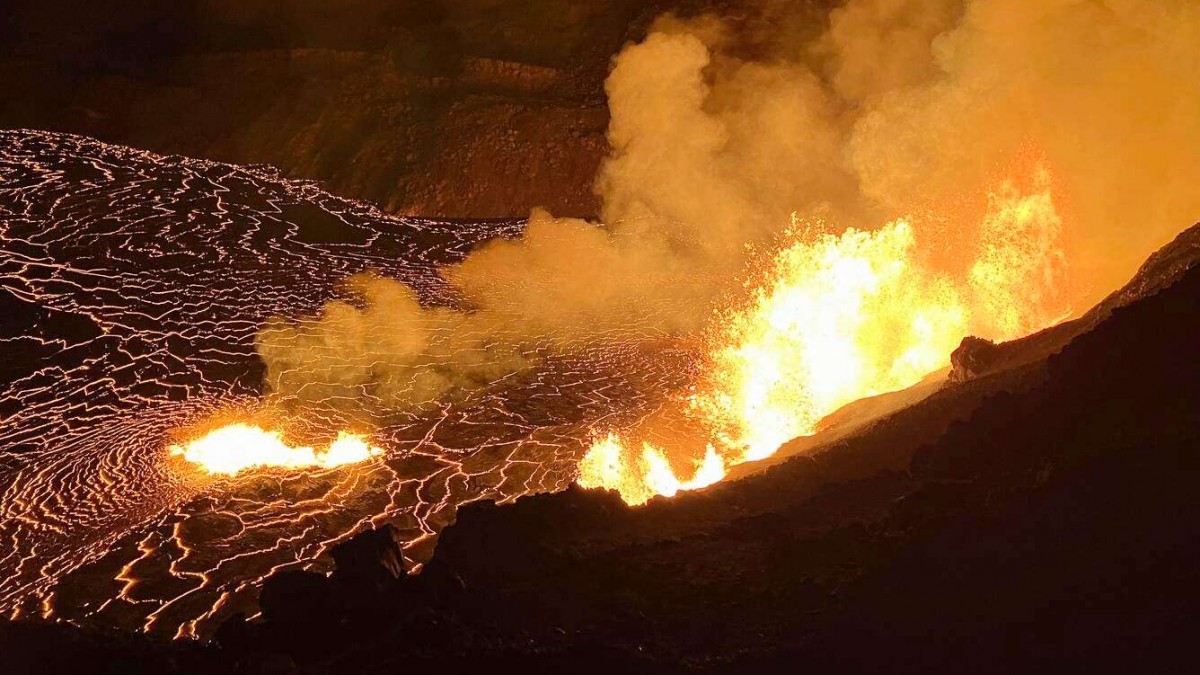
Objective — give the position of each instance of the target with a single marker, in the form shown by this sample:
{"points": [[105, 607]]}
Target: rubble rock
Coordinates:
{"points": [[974, 357]]}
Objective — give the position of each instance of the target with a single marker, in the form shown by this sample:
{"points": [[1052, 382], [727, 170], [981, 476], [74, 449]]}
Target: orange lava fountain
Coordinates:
{"points": [[638, 478], [239, 447], [840, 318]]}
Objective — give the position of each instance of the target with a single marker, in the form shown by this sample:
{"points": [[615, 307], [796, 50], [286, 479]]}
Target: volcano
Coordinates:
{"points": [[1040, 514], [704, 336], [1034, 509]]}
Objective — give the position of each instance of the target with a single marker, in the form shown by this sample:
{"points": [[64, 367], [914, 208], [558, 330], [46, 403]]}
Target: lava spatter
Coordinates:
{"points": [[837, 318], [237, 448]]}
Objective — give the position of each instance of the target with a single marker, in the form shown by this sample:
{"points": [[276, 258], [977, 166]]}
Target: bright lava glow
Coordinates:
{"points": [[239, 447], [608, 465], [840, 318]]}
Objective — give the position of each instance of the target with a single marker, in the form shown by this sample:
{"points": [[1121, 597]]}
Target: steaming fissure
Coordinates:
{"points": [[839, 318]]}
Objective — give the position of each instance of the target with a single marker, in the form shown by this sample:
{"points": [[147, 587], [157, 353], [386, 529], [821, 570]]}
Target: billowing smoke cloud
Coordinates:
{"points": [[1107, 91], [722, 129]]}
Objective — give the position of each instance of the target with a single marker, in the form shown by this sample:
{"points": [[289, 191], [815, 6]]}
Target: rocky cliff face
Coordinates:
{"points": [[459, 109]]}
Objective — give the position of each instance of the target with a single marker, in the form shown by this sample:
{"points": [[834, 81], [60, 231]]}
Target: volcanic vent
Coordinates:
{"points": [[224, 373]]}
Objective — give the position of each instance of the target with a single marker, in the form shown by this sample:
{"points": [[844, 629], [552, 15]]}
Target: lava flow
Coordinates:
{"points": [[238, 447], [835, 319]]}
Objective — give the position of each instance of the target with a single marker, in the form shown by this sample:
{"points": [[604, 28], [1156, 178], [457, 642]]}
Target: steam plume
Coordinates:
{"points": [[722, 129]]}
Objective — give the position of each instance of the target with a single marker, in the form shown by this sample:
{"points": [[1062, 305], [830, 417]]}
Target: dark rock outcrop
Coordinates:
{"points": [[371, 559], [974, 357]]}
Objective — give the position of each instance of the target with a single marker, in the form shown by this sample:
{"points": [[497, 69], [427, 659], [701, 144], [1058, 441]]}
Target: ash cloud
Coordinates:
{"points": [[722, 128]]}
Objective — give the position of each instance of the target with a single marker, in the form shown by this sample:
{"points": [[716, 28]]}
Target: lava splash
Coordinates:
{"points": [[833, 319], [239, 447]]}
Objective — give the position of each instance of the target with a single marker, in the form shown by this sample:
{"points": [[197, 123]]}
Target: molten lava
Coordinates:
{"points": [[608, 464], [839, 318], [239, 447], [1018, 280]]}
